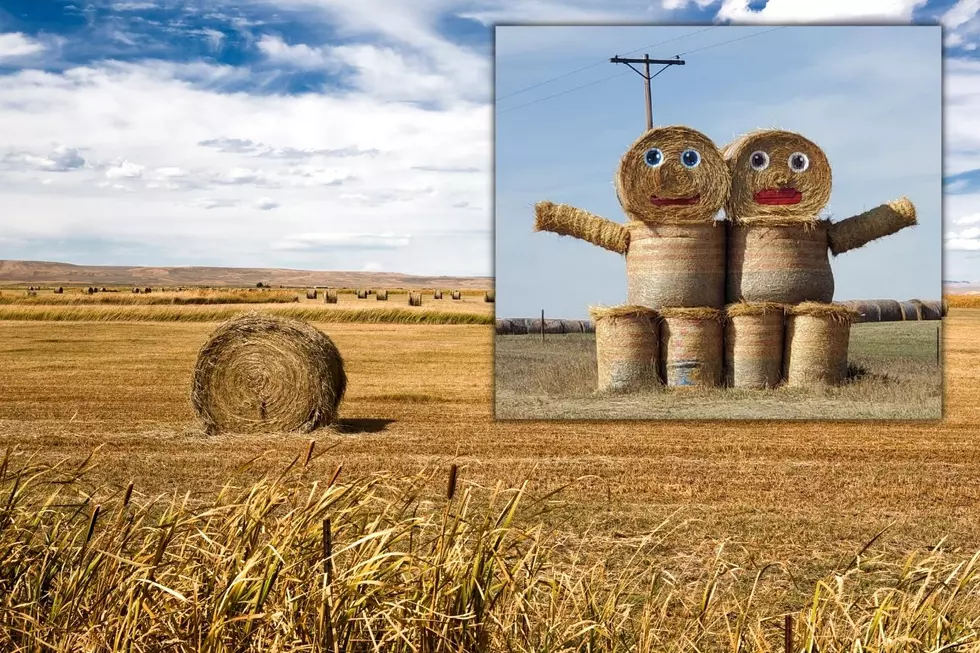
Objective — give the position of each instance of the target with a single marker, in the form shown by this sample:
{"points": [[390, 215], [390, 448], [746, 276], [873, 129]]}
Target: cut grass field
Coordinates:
{"points": [[809, 496], [896, 375]]}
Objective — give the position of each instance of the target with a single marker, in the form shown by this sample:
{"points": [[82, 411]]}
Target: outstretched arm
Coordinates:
{"points": [[879, 222], [566, 220]]}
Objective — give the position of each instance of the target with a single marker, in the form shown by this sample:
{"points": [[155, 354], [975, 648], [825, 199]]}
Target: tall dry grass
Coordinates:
{"points": [[202, 297], [312, 312], [289, 562]]}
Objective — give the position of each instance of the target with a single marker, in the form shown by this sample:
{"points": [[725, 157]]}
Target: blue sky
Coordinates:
{"points": [[325, 134], [869, 96]]}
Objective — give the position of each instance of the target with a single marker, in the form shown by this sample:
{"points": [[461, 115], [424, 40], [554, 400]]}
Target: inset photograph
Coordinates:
{"points": [[747, 228]]}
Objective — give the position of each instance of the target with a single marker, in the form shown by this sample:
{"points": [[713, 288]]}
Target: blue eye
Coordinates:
{"points": [[654, 157], [690, 158]]}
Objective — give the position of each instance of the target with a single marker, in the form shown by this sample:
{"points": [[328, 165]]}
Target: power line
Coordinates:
{"points": [[574, 88], [593, 65], [604, 79]]}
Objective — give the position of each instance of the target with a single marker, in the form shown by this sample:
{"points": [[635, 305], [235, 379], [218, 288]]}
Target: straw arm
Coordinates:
{"points": [[566, 220], [881, 221]]}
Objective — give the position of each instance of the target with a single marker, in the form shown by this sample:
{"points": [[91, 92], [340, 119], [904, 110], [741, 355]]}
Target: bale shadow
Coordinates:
{"points": [[355, 426]]}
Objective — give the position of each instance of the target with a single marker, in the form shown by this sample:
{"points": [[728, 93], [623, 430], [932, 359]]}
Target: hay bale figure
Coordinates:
{"points": [[259, 372], [627, 348], [670, 183], [414, 299], [691, 347], [381, 295], [754, 345], [817, 337], [778, 245], [329, 296]]}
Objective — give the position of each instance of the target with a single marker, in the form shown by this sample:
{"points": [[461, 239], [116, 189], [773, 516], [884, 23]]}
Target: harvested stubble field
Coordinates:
{"points": [[894, 367], [807, 495]]}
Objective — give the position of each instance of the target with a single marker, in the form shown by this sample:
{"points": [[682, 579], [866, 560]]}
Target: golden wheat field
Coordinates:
{"points": [[701, 506]]}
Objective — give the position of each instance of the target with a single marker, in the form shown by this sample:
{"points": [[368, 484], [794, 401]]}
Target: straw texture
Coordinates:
{"points": [[889, 310], [881, 221], [566, 220], [676, 265], [691, 347], [910, 310], [931, 310], [642, 189], [817, 337], [754, 345], [744, 206], [627, 348], [259, 372], [783, 264]]}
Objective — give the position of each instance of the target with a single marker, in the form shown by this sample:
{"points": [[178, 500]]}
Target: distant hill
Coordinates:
{"points": [[44, 272]]}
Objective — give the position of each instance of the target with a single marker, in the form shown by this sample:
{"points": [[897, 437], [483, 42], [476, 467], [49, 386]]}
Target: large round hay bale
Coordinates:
{"points": [[889, 310], [860, 308], [872, 311], [259, 372], [437, 294], [329, 296], [554, 327], [754, 345], [503, 327], [786, 264], [817, 337], [490, 296], [931, 310], [414, 298], [457, 295], [691, 347], [945, 307], [627, 348], [676, 265], [910, 310], [382, 295], [518, 327]]}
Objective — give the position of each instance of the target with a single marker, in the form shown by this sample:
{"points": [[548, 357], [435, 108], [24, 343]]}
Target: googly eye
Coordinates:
{"points": [[690, 158], [798, 162], [654, 157], [759, 160]]}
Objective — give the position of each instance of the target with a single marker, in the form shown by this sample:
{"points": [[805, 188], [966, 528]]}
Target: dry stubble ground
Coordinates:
{"points": [[420, 396]]}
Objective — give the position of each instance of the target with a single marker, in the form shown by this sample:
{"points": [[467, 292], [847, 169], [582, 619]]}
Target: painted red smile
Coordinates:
{"points": [[674, 201], [776, 196]]}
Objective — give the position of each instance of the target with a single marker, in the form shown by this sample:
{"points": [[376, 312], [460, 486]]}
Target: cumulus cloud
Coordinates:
{"points": [[125, 170], [266, 204], [300, 55], [61, 159], [16, 45]]}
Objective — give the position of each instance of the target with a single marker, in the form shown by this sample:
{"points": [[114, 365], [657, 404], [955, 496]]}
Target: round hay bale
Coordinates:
{"points": [[505, 327], [518, 327], [627, 348], [362, 294], [817, 337], [437, 294], [931, 310], [910, 310], [554, 327], [889, 310], [146, 291], [872, 311], [676, 265], [59, 290], [381, 295], [259, 372], [670, 189], [691, 347], [945, 307], [457, 295], [768, 185], [588, 326], [490, 296], [329, 296], [754, 345], [311, 294], [862, 310], [573, 326], [781, 264], [414, 299]]}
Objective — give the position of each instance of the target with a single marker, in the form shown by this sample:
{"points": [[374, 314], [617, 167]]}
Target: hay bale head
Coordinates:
{"points": [[777, 177], [679, 265], [817, 337], [754, 345], [627, 348], [786, 264], [259, 372], [691, 347], [672, 175]]}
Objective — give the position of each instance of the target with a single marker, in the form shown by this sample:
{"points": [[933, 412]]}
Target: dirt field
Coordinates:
{"points": [[420, 397], [897, 376]]}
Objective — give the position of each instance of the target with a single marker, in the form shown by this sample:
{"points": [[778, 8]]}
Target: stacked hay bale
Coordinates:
{"points": [[691, 346], [817, 337], [754, 345], [627, 348], [260, 372]]}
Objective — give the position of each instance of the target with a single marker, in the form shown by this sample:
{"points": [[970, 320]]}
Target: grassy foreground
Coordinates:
{"points": [[289, 562]]}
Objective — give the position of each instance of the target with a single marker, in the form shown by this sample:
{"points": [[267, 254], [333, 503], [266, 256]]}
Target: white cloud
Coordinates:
{"points": [[15, 45], [170, 173], [795, 11], [973, 218], [386, 240], [125, 170], [215, 203], [372, 266], [301, 55], [266, 204], [61, 159]]}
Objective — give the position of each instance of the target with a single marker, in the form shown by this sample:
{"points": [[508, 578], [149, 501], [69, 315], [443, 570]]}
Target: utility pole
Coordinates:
{"points": [[645, 74]]}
